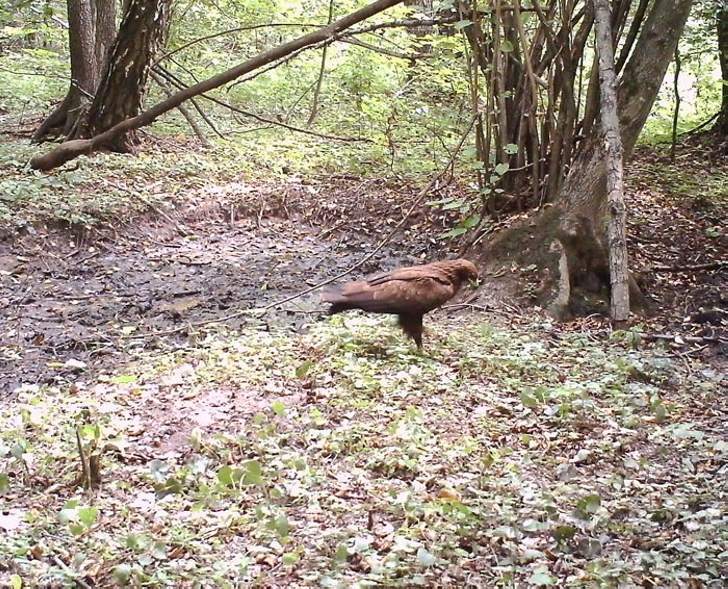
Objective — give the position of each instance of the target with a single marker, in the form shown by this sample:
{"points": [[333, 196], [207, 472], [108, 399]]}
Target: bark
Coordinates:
{"points": [[721, 125], [571, 235], [585, 188], [84, 71], [618, 269], [121, 91], [72, 149], [676, 109], [105, 29]]}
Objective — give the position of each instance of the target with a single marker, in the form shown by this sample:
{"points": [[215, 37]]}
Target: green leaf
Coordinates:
{"points": [[471, 221], [303, 369], [16, 582], [528, 400], [461, 24], [4, 482], [501, 168], [561, 533], [171, 486], [225, 475], [281, 526], [455, 232], [124, 379], [253, 473], [506, 46], [341, 553], [425, 558], [137, 542], [511, 149], [660, 411], [278, 408], [88, 515], [453, 204], [588, 505]]}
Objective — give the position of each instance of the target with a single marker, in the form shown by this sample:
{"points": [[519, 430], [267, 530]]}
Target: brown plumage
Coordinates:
{"points": [[407, 292]]}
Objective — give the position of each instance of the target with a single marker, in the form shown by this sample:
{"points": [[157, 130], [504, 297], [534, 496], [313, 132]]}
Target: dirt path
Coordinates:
{"points": [[62, 305]]}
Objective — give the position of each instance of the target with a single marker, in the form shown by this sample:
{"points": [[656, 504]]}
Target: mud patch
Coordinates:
{"points": [[65, 309]]}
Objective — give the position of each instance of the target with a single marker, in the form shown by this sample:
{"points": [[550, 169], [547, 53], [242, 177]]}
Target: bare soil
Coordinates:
{"points": [[69, 302], [72, 300]]}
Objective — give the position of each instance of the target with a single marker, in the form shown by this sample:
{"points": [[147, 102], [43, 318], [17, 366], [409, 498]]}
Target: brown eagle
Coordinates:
{"points": [[407, 292]]}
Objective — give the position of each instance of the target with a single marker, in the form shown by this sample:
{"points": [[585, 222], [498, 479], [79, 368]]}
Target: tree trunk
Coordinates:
{"points": [[72, 149], [105, 30], [721, 126], [120, 93], [585, 188], [572, 235], [85, 67], [618, 269]]}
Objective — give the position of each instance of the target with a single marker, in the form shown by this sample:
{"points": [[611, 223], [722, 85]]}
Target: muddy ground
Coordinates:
{"points": [[68, 302], [65, 304]]}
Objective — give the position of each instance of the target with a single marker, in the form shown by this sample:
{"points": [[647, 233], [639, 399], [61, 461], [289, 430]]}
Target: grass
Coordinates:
{"points": [[106, 189], [342, 458]]}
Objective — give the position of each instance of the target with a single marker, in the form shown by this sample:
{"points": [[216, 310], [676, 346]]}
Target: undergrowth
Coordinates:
{"points": [[342, 458]]}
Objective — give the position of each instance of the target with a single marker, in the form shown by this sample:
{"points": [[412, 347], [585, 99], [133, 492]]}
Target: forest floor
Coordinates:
{"points": [[289, 449]]}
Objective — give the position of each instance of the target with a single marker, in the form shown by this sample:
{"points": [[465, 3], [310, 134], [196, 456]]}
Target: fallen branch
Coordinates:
{"points": [[77, 147], [230, 31], [690, 267], [164, 85], [679, 339], [267, 121], [418, 199], [700, 126], [168, 76], [261, 311], [412, 57]]}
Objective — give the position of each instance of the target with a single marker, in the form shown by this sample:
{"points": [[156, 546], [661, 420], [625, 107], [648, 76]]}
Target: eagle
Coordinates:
{"points": [[407, 292]]}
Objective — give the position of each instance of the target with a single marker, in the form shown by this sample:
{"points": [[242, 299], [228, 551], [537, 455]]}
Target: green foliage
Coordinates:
{"points": [[700, 83], [396, 469]]}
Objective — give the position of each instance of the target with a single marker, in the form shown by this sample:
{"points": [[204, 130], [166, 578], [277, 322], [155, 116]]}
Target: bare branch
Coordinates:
{"points": [[72, 149]]}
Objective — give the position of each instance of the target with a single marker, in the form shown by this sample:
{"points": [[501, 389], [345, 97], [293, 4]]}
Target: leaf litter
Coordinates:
{"points": [[301, 451]]}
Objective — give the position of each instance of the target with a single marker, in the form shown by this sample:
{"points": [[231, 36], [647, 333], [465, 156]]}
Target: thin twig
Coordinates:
{"points": [[228, 32], [164, 85], [322, 71], [76, 579], [268, 121], [84, 462], [679, 338], [418, 199], [701, 125], [689, 268]]}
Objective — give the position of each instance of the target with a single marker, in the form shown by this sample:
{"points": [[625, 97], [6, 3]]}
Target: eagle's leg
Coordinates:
{"points": [[412, 326]]}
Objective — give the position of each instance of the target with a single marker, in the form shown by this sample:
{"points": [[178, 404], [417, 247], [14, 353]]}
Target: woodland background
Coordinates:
{"points": [[170, 418]]}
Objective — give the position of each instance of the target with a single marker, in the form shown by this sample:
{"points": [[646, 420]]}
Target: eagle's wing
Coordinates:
{"points": [[399, 292], [410, 273]]}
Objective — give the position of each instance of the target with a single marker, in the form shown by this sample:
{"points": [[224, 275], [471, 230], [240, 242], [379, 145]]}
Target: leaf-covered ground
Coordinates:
{"points": [[301, 451], [510, 454]]}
